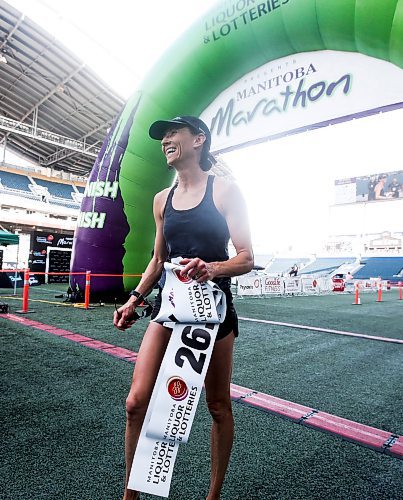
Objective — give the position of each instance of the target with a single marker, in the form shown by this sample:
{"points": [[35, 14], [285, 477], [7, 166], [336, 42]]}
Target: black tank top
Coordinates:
{"points": [[197, 232]]}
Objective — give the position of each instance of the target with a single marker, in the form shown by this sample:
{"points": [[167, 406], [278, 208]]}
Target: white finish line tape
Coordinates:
{"points": [[197, 308]]}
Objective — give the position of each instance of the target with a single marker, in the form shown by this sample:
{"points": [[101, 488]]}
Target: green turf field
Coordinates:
{"points": [[62, 404]]}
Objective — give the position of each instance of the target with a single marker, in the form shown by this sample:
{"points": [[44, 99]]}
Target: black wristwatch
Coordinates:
{"points": [[147, 308], [138, 295]]}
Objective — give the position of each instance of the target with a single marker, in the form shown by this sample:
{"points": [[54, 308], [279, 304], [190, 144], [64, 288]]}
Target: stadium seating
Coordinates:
{"points": [[55, 193], [327, 265], [56, 189], [15, 181], [283, 265], [389, 268]]}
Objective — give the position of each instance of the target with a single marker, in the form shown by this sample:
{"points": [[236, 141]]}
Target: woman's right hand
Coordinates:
{"points": [[123, 317]]}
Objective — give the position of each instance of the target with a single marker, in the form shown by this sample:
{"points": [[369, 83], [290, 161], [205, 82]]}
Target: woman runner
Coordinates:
{"points": [[194, 220]]}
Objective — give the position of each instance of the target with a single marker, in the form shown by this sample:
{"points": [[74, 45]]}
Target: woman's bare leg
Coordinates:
{"points": [[146, 369], [217, 383]]}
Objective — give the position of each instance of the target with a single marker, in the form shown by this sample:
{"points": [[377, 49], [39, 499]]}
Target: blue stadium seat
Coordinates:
{"points": [[14, 181], [327, 264], [64, 203], [56, 188], [389, 268], [282, 265]]}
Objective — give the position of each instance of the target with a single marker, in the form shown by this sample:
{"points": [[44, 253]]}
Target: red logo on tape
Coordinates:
{"points": [[177, 388], [183, 279]]}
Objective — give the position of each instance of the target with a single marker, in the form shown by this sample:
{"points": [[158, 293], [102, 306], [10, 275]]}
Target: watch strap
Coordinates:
{"points": [[138, 295]]}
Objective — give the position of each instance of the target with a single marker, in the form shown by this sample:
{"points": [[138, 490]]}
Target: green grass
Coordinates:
{"points": [[62, 404], [334, 311]]}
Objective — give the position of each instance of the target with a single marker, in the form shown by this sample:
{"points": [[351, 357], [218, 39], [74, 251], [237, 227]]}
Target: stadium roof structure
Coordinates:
{"points": [[54, 109]]}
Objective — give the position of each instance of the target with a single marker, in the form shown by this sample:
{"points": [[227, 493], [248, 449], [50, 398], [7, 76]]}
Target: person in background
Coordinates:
{"points": [[380, 188], [371, 188], [293, 271], [394, 188]]}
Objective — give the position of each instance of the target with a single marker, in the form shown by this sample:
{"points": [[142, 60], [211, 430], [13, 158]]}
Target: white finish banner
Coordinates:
{"points": [[272, 285], [172, 407], [186, 301], [298, 91], [179, 383], [249, 285]]}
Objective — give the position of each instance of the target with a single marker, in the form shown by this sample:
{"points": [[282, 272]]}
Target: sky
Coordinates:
{"points": [[288, 183], [129, 35]]}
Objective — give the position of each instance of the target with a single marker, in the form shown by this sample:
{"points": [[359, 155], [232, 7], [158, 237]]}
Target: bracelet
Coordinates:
{"points": [[138, 295]]}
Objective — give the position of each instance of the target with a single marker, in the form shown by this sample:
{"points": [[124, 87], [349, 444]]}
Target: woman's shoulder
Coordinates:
{"points": [[161, 197], [226, 194], [225, 186]]}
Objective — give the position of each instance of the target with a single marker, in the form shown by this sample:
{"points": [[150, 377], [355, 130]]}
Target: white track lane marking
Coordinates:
{"points": [[325, 330]]}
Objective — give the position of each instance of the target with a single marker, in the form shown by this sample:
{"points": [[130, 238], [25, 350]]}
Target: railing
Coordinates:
{"points": [[46, 136], [27, 282], [19, 192]]}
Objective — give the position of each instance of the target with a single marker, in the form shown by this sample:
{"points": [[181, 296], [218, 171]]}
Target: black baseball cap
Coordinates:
{"points": [[159, 128]]}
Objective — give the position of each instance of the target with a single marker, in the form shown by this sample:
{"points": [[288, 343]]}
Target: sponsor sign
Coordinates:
{"points": [[292, 285], [349, 285], [249, 285], [11, 280], [300, 90], [58, 261], [338, 284], [41, 242], [310, 285], [373, 284], [272, 285], [325, 284]]}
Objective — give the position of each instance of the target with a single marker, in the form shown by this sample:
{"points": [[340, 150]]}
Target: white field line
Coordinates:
{"points": [[325, 330]]}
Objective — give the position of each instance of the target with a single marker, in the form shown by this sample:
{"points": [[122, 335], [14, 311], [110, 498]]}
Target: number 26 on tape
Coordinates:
{"points": [[194, 339]]}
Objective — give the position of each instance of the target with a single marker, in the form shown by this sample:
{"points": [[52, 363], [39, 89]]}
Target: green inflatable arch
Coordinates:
{"points": [[232, 39]]}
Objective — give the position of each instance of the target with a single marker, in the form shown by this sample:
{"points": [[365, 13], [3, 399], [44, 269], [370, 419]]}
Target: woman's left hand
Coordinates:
{"points": [[198, 270]]}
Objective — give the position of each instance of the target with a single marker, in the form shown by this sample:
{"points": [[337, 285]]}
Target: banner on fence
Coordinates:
{"points": [[372, 284], [249, 285], [272, 285], [292, 285], [325, 284], [309, 285], [349, 286]]}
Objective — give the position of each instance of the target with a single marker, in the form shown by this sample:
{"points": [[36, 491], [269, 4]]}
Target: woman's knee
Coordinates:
{"points": [[136, 405], [220, 410]]}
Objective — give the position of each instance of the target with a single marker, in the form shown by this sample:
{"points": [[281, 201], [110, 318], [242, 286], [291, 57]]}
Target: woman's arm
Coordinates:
{"points": [[154, 268], [230, 202], [378, 190], [122, 318]]}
